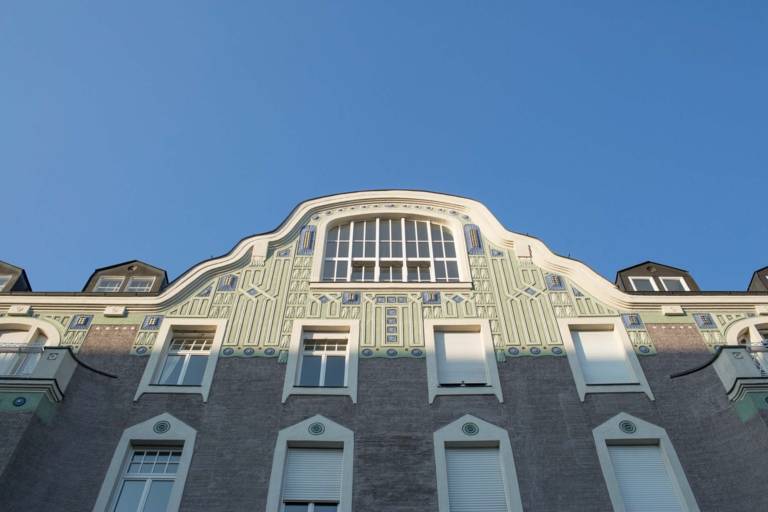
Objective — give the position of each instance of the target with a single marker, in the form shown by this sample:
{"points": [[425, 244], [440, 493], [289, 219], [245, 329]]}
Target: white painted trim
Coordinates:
{"points": [[152, 280], [257, 247], [566, 325], [649, 278], [646, 434], [53, 338], [751, 324], [144, 433], [160, 348], [491, 368], [334, 436], [351, 328], [489, 435], [680, 279], [96, 284]]}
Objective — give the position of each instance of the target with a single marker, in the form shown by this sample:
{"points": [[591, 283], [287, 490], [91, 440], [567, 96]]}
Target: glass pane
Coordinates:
{"points": [[453, 270], [397, 273], [643, 285], [397, 250], [370, 230], [334, 371], [423, 249], [384, 230], [440, 270], [436, 235], [326, 508], [195, 371], [370, 249], [29, 363], [674, 285], [413, 274], [357, 274], [344, 232], [410, 230], [397, 232], [296, 507], [450, 250], [328, 270], [172, 468], [333, 234], [447, 236], [358, 231], [310, 371], [171, 370], [130, 494], [383, 249], [437, 249], [330, 249], [159, 495], [134, 467], [410, 249], [357, 249], [343, 250], [341, 270], [421, 230]]}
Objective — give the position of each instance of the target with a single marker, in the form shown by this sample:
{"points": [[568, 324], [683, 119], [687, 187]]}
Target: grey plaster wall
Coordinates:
{"points": [[60, 466]]}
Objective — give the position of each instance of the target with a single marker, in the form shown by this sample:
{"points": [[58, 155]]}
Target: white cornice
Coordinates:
{"points": [[362, 202]]}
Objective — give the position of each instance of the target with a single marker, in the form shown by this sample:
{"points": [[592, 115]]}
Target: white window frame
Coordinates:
{"points": [[34, 328], [650, 278], [96, 286], [487, 435], [566, 325], [679, 279], [319, 336], [143, 434], [160, 350], [493, 386], [148, 288], [350, 329], [333, 435], [610, 433], [4, 280]]}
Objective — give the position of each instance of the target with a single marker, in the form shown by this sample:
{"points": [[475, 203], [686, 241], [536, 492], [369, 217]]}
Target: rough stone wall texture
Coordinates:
{"points": [[60, 466]]}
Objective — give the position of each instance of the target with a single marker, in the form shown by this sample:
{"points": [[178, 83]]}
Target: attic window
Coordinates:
{"points": [[4, 281], [107, 284], [674, 284], [140, 284], [643, 284]]}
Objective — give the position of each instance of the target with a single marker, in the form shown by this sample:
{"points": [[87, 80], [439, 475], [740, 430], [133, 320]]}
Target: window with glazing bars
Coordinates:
{"points": [[323, 362], [186, 359], [20, 351], [390, 250], [108, 284], [139, 284], [147, 480]]}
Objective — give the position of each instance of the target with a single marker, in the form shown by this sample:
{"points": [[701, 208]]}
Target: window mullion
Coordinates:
{"points": [[322, 369], [431, 258], [404, 277], [376, 263], [144, 493], [350, 243], [184, 366]]}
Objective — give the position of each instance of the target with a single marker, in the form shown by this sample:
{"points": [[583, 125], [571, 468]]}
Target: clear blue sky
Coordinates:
{"points": [[166, 131]]}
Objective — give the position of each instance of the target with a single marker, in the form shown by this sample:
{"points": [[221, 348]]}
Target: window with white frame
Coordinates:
{"points": [[149, 467], [147, 479], [20, 350], [107, 284], [4, 280], [186, 358], [324, 359], [674, 284], [643, 284], [183, 357], [640, 467], [475, 468], [140, 284], [390, 250], [312, 468], [461, 358], [601, 357]]}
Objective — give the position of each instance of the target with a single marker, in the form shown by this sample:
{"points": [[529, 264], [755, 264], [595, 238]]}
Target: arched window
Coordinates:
{"points": [[20, 348], [390, 250]]}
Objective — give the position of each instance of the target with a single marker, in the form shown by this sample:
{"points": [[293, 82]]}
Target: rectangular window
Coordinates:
{"points": [[323, 360], [475, 480], [4, 281], [17, 355], [602, 358], [643, 284], [108, 284], [147, 480], [312, 479], [460, 358], [645, 482], [140, 284], [674, 284], [186, 359]]}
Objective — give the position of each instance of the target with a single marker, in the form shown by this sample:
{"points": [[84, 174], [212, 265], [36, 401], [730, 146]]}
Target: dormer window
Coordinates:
{"points": [[643, 284], [107, 284], [140, 284], [674, 284], [3, 282], [390, 250]]}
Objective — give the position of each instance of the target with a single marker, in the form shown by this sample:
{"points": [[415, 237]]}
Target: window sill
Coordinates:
{"points": [[596, 389], [322, 285], [465, 390], [319, 391]]}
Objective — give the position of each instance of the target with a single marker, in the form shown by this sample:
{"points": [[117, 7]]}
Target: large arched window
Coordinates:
{"points": [[391, 250]]}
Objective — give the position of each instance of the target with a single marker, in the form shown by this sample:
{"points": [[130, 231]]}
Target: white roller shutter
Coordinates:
{"points": [[602, 358], [475, 481], [644, 480], [312, 474], [460, 358]]}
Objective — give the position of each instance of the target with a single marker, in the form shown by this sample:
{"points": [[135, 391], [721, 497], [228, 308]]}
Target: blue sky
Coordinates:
{"points": [[166, 131]]}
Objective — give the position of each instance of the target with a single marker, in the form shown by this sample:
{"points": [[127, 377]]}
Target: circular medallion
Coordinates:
{"points": [[141, 351], [270, 351], [535, 351], [316, 428], [19, 401], [229, 351], [557, 351], [470, 429], [627, 427], [643, 349], [391, 352], [367, 352], [417, 352], [513, 351], [249, 351], [161, 427]]}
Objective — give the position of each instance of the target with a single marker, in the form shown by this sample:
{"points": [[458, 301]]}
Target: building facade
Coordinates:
{"points": [[395, 351]]}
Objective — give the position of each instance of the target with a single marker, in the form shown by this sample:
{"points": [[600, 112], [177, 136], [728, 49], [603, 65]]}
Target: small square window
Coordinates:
{"points": [[674, 284], [140, 284], [643, 284], [108, 284]]}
